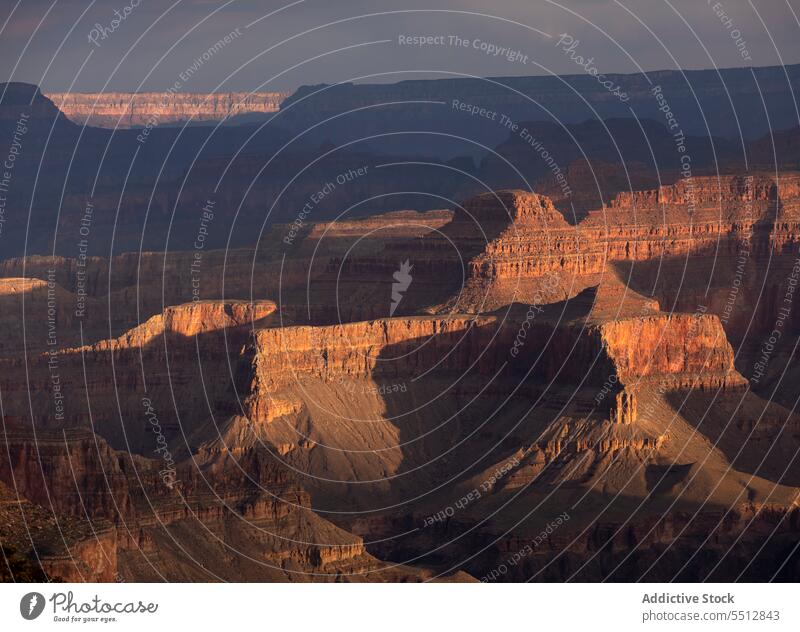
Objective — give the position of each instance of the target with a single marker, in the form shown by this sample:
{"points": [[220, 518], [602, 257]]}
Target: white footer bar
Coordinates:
{"points": [[404, 607]]}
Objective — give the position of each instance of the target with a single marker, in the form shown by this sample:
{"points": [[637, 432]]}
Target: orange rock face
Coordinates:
{"points": [[123, 110], [444, 385]]}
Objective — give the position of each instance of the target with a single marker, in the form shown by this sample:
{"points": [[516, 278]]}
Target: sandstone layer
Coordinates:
{"points": [[124, 110]]}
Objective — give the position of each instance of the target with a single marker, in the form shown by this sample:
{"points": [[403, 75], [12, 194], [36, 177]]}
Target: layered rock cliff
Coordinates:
{"points": [[124, 110], [531, 366]]}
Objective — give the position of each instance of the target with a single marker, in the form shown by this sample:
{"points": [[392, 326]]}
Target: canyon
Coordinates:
{"points": [[299, 432], [350, 363], [147, 188]]}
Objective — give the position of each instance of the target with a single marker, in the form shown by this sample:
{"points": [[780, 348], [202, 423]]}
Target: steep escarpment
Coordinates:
{"points": [[124, 110], [741, 265], [180, 365], [596, 417], [595, 402], [703, 219], [194, 319], [679, 345], [72, 156], [433, 390], [302, 380], [656, 346]]}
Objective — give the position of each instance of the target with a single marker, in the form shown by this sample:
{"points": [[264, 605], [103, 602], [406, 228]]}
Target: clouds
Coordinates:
{"points": [[314, 41]]}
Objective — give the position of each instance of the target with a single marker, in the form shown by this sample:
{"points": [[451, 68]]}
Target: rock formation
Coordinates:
{"points": [[503, 388], [379, 108], [121, 110]]}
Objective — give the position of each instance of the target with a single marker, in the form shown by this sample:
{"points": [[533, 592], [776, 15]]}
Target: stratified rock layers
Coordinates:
{"points": [[124, 110], [283, 426]]}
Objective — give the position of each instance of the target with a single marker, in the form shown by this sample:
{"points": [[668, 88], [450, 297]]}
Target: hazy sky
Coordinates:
{"points": [[315, 41]]}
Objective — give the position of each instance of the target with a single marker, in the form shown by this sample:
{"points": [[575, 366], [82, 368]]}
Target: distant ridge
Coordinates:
{"points": [[128, 109], [722, 103]]}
